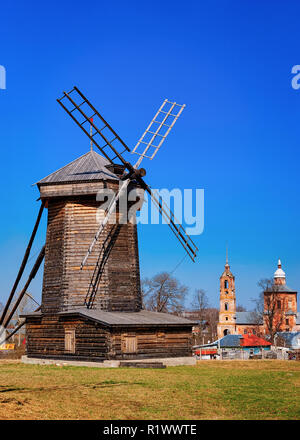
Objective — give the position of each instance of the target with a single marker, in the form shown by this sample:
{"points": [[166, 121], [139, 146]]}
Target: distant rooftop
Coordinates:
{"points": [[246, 318], [280, 288]]}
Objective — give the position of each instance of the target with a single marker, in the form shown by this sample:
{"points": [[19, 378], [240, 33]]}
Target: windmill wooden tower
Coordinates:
{"points": [[91, 299]]}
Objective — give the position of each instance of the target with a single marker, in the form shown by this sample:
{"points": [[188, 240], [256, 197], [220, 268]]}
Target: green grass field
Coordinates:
{"points": [[210, 390]]}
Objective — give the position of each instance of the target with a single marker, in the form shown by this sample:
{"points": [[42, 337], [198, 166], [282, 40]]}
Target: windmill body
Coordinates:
{"points": [[80, 320], [91, 298]]}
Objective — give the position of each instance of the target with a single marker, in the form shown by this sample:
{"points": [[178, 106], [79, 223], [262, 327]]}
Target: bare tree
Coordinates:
{"points": [[267, 308], [200, 302], [163, 293], [212, 318], [200, 305], [240, 308]]}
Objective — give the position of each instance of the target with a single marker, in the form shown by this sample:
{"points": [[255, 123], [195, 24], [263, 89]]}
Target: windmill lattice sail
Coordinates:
{"points": [[113, 147], [158, 129], [80, 109]]}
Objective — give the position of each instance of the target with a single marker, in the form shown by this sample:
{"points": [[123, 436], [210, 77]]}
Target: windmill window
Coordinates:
{"points": [[70, 340]]}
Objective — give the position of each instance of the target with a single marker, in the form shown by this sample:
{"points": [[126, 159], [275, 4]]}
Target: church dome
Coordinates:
{"points": [[279, 273]]}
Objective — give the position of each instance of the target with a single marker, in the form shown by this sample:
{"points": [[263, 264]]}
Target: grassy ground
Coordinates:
{"points": [[210, 390]]}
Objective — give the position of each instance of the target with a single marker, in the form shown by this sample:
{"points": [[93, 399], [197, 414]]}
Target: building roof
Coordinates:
{"points": [[237, 341], [253, 341], [125, 319], [230, 341], [89, 167], [281, 288], [226, 341], [246, 318]]}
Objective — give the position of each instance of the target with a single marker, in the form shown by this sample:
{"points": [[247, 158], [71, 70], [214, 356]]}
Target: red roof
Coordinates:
{"points": [[253, 341]]}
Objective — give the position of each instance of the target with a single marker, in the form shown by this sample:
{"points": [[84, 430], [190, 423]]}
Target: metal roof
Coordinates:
{"points": [[246, 318], [225, 342], [90, 166], [127, 319], [230, 341], [280, 288]]}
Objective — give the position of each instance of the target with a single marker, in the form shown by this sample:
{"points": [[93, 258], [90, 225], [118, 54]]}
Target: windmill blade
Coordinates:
{"points": [[158, 129], [176, 228], [104, 137]]}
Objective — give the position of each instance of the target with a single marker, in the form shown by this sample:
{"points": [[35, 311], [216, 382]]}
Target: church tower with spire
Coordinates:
{"points": [[227, 312]]}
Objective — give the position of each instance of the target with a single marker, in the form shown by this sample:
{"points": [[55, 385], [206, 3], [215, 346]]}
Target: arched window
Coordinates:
{"points": [[226, 284], [226, 332], [226, 306]]}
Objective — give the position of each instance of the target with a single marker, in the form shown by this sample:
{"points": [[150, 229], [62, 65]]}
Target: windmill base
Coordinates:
{"points": [[168, 362], [95, 336]]}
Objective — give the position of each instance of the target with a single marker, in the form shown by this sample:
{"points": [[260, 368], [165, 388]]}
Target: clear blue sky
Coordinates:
{"points": [[238, 138]]}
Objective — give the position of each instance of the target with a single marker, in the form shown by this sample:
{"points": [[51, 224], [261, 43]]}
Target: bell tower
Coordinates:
{"points": [[227, 312]]}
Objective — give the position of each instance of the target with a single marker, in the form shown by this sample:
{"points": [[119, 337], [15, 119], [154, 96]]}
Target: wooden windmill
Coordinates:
{"points": [[91, 300]]}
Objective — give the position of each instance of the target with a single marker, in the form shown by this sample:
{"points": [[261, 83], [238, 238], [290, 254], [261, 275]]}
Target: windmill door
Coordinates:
{"points": [[70, 340], [129, 344]]}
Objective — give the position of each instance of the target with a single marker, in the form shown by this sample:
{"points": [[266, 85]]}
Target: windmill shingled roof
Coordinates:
{"points": [[124, 319], [144, 317], [90, 166]]}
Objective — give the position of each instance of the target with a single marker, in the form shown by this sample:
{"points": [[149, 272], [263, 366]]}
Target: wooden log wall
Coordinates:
{"points": [[45, 338], [157, 342], [93, 342]]}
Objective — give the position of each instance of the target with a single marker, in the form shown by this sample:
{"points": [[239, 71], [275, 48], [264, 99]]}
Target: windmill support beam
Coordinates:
{"points": [[18, 328], [22, 293], [23, 265]]}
